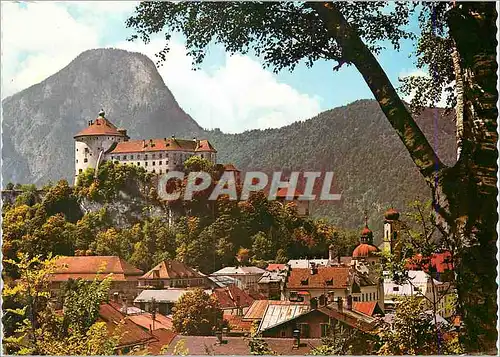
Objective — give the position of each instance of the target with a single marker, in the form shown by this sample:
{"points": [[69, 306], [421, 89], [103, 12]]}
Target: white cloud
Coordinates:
{"points": [[239, 95], [420, 73], [40, 38], [37, 41]]}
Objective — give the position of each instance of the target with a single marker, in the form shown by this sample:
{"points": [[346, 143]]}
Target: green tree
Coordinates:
{"points": [[284, 34], [262, 247], [412, 332], [197, 313], [39, 330]]}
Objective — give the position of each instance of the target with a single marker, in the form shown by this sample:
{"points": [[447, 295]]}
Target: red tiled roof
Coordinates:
{"points": [[171, 269], [100, 126], [237, 324], [131, 333], [301, 278], [163, 338], [273, 267], [283, 192], [366, 307], [87, 267], [441, 262], [165, 144], [230, 167], [228, 297], [146, 321], [364, 250]]}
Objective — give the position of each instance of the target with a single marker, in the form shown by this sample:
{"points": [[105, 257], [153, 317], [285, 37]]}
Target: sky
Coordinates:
{"points": [[232, 93]]}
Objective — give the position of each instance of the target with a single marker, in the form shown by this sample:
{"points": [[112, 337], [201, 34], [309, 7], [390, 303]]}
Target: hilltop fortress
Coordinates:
{"points": [[101, 140]]}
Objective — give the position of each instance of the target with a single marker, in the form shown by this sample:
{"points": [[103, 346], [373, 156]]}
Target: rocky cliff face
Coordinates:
{"points": [[39, 122]]}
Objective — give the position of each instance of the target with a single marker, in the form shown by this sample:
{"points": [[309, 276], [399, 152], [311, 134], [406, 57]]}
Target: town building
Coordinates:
{"points": [[101, 141], [247, 277], [233, 300], [161, 300], [124, 276], [173, 274], [281, 320], [271, 284], [421, 284]]}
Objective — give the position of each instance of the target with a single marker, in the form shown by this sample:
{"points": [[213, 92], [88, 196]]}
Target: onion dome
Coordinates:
{"points": [[364, 250], [366, 235], [391, 214]]}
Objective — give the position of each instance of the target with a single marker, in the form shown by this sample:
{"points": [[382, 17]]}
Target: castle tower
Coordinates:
{"points": [[94, 141], [391, 227]]}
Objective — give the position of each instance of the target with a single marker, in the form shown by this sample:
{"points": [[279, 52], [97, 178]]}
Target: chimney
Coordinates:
{"points": [[340, 303], [349, 302], [314, 269]]}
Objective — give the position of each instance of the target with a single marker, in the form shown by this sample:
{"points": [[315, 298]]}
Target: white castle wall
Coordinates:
{"points": [[87, 150]]}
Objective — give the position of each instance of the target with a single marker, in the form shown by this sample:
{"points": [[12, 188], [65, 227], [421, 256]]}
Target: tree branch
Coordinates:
{"points": [[356, 52]]}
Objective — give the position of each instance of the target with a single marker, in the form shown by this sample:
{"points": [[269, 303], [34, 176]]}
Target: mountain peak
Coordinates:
{"points": [[40, 121]]}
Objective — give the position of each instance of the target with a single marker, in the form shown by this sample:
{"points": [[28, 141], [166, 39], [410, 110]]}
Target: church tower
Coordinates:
{"points": [[391, 230]]}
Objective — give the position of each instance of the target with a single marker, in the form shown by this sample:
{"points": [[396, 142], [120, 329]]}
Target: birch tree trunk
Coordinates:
{"points": [[464, 196]]}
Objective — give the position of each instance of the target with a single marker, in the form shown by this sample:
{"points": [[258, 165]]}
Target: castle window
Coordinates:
{"points": [[153, 163], [85, 160], [159, 163]]}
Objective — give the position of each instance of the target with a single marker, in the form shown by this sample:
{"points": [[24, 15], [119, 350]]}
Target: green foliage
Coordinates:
{"points": [[82, 301], [259, 347], [39, 330], [413, 332], [111, 179], [197, 313]]}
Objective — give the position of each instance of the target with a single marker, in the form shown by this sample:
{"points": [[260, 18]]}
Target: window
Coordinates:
{"points": [[80, 171], [395, 288], [329, 282], [325, 330], [145, 157], [304, 281], [304, 330], [283, 333], [85, 160], [146, 163], [138, 164], [77, 161], [131, 157], [159, 163], [86, 150], [160, 172], [154, 163], [154, 171], [355, 298], [154, 156], [124, 157], [161, 156]]}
